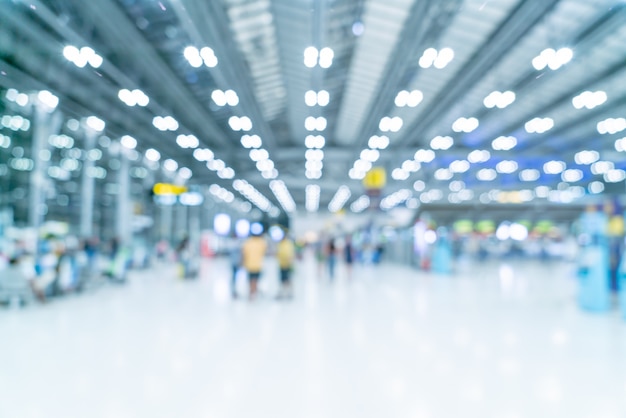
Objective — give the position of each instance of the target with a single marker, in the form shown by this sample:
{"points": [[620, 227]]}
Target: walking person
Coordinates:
{"points": [[253, 252], [234, 256], [331, 257], [286, 254], [348, 252]]}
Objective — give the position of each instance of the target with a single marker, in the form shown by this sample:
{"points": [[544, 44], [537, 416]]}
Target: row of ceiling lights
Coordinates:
{"points": [[320, 98], [281, 192], [339, 199], [323, 57], [314, 143], [444, 54], [196, 57], [229, 97], [312, 197], [553, 59], [360, 204], [253, 195], [82, 57], [504, 167]]}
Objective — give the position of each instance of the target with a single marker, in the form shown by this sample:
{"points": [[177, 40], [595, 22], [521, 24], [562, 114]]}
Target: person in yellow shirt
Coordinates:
{"points": [[253, 253], [285, 253]]}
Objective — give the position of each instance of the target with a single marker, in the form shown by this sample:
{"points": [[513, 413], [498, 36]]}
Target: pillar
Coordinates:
{"points": [[124, 207], [45, 125], [87, 188]]}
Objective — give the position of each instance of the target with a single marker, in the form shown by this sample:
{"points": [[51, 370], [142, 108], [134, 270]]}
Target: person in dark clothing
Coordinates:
{"points": [[331, 257], [348, 252]]}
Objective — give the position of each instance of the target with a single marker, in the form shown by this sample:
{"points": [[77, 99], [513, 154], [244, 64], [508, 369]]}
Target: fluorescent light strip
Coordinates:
{"points": [[312, 197], [340, 199], [253, 195], [360, 204], [395, 199], [282, 194]]}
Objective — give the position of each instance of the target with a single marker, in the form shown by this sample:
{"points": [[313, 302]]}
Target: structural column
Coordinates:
{"points": [[87, 187], [46, 124], [165, 222], [182, 228], [124, 207], [194, 228]]}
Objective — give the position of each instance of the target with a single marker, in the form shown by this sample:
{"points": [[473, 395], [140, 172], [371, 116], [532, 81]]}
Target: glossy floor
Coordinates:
{"points": [[496, 341]]}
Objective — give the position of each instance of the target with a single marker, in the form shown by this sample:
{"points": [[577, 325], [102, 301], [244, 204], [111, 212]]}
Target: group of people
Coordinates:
{"points": [[58, 267], [250, 256]]}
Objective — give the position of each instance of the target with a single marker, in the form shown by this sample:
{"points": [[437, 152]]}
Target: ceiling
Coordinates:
{"points": [[379, 48]]}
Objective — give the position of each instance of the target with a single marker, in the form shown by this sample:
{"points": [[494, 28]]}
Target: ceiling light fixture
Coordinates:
{"points": [[554, 167], [506, 167], [339, 200], [133, 98], [321, 98], [589, 100], [237, 123], [611, 126], [223, 98], [410, 99], [479, 156], [486, 174], [499, 99], [196, 57], [152, 155], [441, 142], [586, 157], [395, 199], [466, 125], [539, 125], [253, 195], [552, 59], [203, 154], [166, 123], [82, 57], [325, 55], [314, 141], [47, 99], [388, 124], [281, 192], [440, 59], [424, 155], [187, 141], [504, 143], [530, 174], [128, 141], [312, 192], [378, 142], [251, 141], [360, 204]]}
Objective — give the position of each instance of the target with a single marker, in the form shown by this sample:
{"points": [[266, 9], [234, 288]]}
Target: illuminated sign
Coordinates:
{"points": [[376, 178], [191, 199], [161, 189]]}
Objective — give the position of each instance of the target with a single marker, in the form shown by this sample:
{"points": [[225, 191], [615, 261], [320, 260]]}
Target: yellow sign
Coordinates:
{"points": [[161, 189], [376, 178]]}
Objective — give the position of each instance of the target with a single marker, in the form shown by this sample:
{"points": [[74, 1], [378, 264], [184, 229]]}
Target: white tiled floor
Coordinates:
{"points": [[499, 341]]}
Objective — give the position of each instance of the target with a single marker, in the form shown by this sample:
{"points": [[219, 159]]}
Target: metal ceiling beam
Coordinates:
{"points": [[124, 37], [606, 23], [425, 19], [207, 24], [597, 114], [522, 19]]}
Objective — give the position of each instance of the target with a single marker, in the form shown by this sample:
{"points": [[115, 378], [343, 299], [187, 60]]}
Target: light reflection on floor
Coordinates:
{"points": [[494, 341]]}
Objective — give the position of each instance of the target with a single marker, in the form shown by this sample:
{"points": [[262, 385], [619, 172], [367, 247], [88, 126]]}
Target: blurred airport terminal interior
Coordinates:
{"points": [[312, 208]]}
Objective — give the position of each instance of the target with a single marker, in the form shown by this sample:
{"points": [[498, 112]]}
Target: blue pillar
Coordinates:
{"points": [[621, 279], [593, 270], [442, 254]]}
